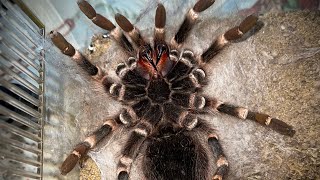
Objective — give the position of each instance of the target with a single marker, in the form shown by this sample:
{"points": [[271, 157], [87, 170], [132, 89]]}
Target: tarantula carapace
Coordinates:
{"points": [[160, 90]]}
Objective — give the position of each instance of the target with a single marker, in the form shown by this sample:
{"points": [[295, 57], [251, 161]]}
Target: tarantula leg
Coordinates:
{"points": [[160, 22], [131, 149], [183, 66], [232, 34], [194, 81], [190, 101], [244, 113], [222, 162], [189, 21], [129, 75], [133, 32], [66, 48], [82, 148], [104, 23], [150, 118], [123, 92]]}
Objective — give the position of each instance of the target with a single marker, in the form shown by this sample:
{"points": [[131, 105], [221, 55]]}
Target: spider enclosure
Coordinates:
{"points": [[240, 74]]}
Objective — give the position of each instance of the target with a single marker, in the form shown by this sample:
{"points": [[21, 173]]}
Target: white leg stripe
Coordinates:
{"points": [[268, 121], [77, 56], [119, 169], [123, 72], [91, 140], [142, 132], [203, 74], [111, 123], [222, 161], [186, 62], [159, 30], [217, 177], [239, 32], [222, 40], [122, 91], [76, 153], [126, 161], [173, 58], [134, 32], [192, 124], [194, 80], [111, 90], [242, 112], [122, 119], [188, 52], [214, 136], [202, 103], [193, 15], [191, 100]]}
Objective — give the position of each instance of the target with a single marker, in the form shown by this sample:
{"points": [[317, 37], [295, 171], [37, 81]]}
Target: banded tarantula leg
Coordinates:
{"points": [[213, 142], [232, 34], [123, 92], [128, 74], [131, 149], [189, 21], [82, 148], [132, 31], [222, 162], [132, 146], [104, 23], [244, 113], [191, 101], [165, 59], [66, 48], [160, 22], [136, 139], [183, 66]]}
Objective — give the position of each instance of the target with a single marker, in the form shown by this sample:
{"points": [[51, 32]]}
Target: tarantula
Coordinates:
{"points": [[160, 90]]}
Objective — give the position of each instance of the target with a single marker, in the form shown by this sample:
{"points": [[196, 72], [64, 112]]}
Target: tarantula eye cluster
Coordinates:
{"points": [[160, 89]]}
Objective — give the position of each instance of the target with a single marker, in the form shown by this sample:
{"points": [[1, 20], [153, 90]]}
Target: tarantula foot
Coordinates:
{"points": [[123, 175], [69, 164], [282, 127]]}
